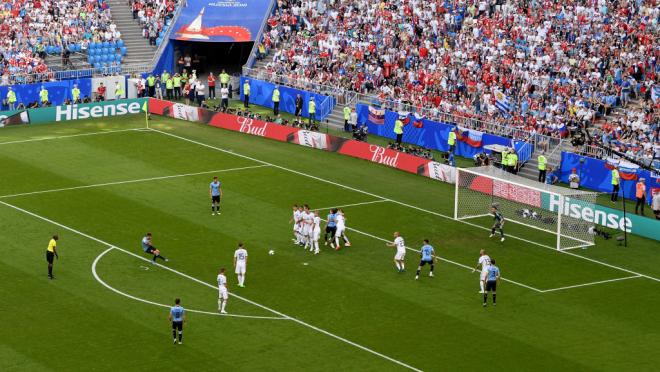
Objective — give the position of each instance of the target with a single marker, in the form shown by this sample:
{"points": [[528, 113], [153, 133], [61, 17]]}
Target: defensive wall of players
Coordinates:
{"points": [[600, 215]]}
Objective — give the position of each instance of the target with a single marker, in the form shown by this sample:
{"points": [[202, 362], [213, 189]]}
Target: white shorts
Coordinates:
{"points": [[296, 227], [400, 256], [307, 230], [240, 268], [223, 294], [484, 274], [316, 234], [340, 230]]}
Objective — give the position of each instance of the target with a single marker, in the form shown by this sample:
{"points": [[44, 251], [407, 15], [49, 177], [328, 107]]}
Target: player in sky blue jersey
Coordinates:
{"points": [[177, 317], [428, 257], [492, 278], [147, 247], [215, 192], [331, 227]]}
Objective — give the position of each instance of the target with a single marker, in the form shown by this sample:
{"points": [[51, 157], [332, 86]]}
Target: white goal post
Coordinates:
{"points": [[562, 212]]}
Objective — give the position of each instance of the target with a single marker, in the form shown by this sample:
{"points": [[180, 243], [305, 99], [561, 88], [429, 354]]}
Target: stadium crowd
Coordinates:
{"points": [[31, 29], [153, 16], [541, 66]]}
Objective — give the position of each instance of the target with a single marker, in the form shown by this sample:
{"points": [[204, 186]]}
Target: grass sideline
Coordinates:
{"points": [[354, 293]]}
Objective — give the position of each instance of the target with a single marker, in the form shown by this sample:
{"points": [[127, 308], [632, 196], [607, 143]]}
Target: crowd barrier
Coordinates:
{"points": [[431, 134], [59, 91], [261, 93], [357, 149]]}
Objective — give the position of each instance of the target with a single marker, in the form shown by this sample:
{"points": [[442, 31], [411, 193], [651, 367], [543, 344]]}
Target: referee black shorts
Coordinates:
{"points": [[177, 326], [50, 256]]}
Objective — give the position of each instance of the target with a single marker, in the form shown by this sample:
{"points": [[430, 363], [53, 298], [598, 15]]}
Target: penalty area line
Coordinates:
{"points": [[132, 181], [591, 283], [300, 322], [108, 286], [392, 201]]}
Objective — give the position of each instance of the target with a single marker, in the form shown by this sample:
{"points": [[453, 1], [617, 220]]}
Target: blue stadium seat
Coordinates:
{"points": [[106, 44], [120, 43], [123, 51]]}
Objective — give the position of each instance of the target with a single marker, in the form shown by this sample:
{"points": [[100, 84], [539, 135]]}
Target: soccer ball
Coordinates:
{"points": [[271, 252]]}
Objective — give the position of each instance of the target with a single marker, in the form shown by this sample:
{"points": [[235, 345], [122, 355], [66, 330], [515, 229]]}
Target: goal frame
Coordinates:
{"points": [[509, 178]]}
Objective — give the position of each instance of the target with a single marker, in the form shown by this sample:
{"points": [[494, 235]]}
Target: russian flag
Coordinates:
{"points": [[376, 115], [627, 171], [563, 131], [471, 137]]}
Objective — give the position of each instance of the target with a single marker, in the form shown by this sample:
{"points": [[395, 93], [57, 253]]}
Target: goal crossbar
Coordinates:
{"points": [[524, 202]]}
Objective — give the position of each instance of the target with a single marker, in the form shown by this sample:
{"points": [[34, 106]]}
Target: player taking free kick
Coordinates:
{"points": [[148, 248]]}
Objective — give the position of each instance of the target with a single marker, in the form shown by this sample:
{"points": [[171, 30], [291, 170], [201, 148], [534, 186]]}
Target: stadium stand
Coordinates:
{"points": [[32, 31], [544, 67]]}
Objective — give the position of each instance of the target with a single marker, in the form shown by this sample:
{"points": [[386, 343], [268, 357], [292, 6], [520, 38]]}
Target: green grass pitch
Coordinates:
{"points": [[102, 184]]}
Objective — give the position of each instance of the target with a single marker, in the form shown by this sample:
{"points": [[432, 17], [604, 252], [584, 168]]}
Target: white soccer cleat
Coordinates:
{"points": [[167, 260], [180, 342], [482, 292], [347, 245], [416, 277], [223, 312], [431, 275], [491, 235], [175, 341], [326, 243], [502, 239]]}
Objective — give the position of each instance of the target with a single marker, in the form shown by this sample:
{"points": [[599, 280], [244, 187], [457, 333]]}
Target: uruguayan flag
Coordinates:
{"points": [[655, 93], [502, 102]]}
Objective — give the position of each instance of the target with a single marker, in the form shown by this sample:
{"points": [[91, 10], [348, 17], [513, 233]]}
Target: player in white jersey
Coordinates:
{"points": [[223, 294], [400, 256], [484, 264], [295, 220], [316, 233], [240, 263], [341, 229], [307, 226]]}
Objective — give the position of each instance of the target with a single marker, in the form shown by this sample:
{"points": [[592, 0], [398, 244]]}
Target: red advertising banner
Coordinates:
{"points": [[345, 146]]}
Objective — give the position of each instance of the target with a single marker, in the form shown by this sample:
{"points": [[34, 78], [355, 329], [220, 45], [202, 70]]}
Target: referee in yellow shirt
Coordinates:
{"points": [[51, 253]]}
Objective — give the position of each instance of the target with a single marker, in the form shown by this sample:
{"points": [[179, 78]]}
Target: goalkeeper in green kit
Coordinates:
{"points": [[499, 222]]}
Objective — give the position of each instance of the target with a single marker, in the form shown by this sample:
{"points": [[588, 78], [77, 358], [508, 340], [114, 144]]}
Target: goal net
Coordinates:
{"points": [[559, 211]]}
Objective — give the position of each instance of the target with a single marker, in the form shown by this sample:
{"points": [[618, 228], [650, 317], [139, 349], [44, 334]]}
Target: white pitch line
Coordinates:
{"points": [[443, 259], [305, 324], [394, 201], [98, 279], [355, 204], [73, 135], [592, 283], [131, 181]]}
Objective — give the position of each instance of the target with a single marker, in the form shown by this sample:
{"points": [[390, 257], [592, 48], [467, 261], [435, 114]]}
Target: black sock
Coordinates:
{"points": [[212, 208], [180, 336], [492, 231], [154, 259], [485, 297], [502, 232], [418, 271], [432, 267], [174, 334], [50, 271], [494, 298]]}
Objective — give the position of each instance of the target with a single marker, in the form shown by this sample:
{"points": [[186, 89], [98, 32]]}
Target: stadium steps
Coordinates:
{"points": [[78, 62], [531, 171], [138, 49]]}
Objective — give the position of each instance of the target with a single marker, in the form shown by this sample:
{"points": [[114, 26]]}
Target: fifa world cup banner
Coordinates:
{"points": [[221, 20], [322, 141]]}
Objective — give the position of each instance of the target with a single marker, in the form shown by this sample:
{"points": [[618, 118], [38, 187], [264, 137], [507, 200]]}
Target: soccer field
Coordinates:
{"points": [[102, 184]]}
